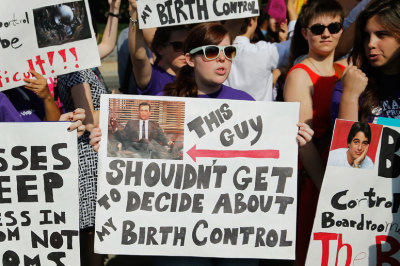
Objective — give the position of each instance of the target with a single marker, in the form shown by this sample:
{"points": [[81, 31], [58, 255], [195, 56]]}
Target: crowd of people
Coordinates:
{"points": [[338, 59]]}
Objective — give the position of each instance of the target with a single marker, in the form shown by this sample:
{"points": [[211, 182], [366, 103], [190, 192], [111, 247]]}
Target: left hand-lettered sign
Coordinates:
{"points": [[159, 13], [39, 207], [52, 37]]}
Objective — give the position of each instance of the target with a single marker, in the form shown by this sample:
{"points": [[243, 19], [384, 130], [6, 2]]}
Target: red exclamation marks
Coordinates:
{"points": [[73, 52], [30, 62], [50, 55], [64, 57]]}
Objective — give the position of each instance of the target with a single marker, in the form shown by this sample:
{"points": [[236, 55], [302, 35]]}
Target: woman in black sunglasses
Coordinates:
{"points": [[371, 85], [317, 32], [166, 44]]}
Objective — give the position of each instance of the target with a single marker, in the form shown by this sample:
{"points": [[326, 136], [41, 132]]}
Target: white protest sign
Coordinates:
{"points": [[39, 205], [226, 185], [357, 219], [52, 37], [159, 13]]}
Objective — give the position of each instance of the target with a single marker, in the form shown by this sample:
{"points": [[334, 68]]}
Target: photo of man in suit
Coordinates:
{"points": [[144, 138]]}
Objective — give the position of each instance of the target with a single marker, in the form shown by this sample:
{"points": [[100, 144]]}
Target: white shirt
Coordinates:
{"points": [[252, 67], [146, 126], [338, 157]]}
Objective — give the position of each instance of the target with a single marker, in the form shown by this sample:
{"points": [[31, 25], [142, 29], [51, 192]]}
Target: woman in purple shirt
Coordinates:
{"points": [[208, 54], [166, 44]]}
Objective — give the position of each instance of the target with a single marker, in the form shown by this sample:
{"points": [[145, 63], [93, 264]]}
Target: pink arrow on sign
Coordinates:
{"points": [[194, 153]]}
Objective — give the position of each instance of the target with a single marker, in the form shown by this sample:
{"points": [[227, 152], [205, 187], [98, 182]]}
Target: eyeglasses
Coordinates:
{"points": [[318, 29], [177, 46], [211, 52]]}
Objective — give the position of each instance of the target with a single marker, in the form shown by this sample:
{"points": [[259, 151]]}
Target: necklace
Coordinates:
{"points": [[316, 68]]}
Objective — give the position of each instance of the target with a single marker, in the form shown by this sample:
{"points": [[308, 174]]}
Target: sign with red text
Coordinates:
{"points": [[52, 37], [161, 13], [197, 177], [39, 204], [357, 220]]}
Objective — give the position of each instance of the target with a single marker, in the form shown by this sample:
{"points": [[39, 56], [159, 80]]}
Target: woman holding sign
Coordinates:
{"points": [[371, 84], [208, 54], [167, 45]]}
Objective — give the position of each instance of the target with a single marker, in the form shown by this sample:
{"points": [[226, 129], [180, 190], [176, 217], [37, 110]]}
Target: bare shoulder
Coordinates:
{"points": [[298, 82]]}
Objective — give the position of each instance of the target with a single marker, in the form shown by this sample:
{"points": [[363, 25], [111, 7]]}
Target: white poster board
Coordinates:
{"points": [[161, 13], [39, 222], [226, 188], [357, 219], [52, 37]]}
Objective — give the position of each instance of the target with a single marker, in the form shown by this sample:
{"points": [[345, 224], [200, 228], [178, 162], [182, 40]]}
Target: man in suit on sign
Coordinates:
{"points": [[142, 136]]}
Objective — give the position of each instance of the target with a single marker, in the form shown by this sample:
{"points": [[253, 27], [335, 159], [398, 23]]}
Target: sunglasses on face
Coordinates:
{"points": [[211, 52], [177, 46], [318, 29]]}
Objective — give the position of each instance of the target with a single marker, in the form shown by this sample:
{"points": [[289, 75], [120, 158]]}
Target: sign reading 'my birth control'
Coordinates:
{"points": [[197, 177], [159, 13]]}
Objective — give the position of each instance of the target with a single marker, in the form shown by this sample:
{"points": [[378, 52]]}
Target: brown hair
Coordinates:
{"points": [[161, 38], [202, 34], [310, 10], [387, 13]]}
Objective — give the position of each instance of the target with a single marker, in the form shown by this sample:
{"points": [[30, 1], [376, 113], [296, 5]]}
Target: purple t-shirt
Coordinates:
{"points": [[27, 103], [225, 92], [228, 93], [390, 104], [159, 78], [7, 110]]}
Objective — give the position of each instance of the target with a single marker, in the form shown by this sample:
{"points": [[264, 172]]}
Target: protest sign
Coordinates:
{"points": [[39, 208], [52, 37], [357, 219], [159, 13], [222, 183]]}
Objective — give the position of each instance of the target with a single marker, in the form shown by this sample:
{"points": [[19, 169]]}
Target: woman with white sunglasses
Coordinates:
{"points": [[311, 82], [208, 53]]}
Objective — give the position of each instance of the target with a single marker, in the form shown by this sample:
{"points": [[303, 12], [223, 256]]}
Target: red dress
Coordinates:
{"points": [[321, 121]]}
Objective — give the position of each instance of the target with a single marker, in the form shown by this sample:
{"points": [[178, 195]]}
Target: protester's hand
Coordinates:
{"points": [[77, 118], [354, 81], [95, 137], [360, 159], [38, 86], [305, 134], [283, 31]]}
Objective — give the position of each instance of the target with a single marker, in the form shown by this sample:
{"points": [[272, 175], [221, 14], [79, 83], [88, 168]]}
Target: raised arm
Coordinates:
{"points": [[39, 86], [82, 97], [296, 91], [107, 44], [140, 62]]}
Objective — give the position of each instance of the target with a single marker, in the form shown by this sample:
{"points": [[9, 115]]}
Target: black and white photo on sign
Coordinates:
{"points": [[61, 23]]}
